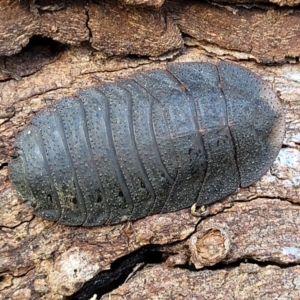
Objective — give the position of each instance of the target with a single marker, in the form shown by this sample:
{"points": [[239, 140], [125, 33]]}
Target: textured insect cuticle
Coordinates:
{"points": [[152, 143]]}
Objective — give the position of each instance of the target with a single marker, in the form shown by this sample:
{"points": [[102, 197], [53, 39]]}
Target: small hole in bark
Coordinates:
{"points": [[40, 51]]}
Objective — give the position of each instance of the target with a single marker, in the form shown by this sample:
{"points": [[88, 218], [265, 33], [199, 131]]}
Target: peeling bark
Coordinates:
{"points": [[42, 260], [268, 34], [154, 34]]}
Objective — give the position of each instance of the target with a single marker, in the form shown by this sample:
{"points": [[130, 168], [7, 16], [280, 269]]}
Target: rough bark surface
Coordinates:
{"points": [[246, 281], [117, 29], [42, 260]]}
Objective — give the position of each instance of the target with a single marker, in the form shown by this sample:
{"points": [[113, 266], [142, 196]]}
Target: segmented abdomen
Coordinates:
{"points": [[157, 142]]}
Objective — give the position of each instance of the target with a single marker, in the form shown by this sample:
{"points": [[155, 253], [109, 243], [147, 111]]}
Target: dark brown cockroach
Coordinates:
{"points": [[154, 143]]}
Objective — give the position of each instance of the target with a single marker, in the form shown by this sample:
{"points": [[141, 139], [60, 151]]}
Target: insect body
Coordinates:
{"points": [[156, 142]]}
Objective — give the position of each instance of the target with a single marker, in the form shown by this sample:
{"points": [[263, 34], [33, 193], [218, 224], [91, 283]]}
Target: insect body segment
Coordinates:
{"points": [[153, 143], [221, 175]]}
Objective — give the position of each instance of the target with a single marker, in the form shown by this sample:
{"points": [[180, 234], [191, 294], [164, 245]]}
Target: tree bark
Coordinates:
{"points": [[251, 238]]}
